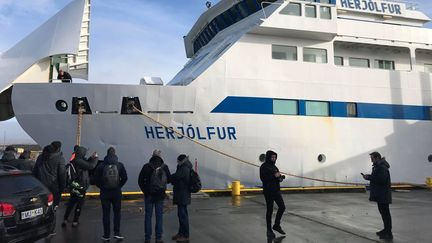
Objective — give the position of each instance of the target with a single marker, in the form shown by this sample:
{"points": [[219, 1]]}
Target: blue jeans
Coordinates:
{"points": [[158, 205], [183, 216]]}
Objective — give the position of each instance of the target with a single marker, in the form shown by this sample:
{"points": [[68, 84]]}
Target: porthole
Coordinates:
{"points": [[430, 158], [61, 105], [321, 158]]}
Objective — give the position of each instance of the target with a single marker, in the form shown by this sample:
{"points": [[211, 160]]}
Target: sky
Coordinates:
{"points": [[129, 39]]}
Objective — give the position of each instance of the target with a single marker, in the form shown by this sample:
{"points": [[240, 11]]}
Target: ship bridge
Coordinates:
{"points": [[62, 42]]}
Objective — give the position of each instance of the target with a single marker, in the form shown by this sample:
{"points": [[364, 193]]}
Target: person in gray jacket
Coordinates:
{"points": [[82, 166], [182, 196], [24, 162]]}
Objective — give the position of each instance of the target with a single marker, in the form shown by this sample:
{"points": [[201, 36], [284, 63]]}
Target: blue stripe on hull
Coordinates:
{"points": [[257, 105]]}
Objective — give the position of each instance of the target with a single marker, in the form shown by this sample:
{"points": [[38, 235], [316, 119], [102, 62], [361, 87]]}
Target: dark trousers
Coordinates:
{"points": [[385, 215], [56, 198], [158, 206], [74, 200], [183, 217], [270, 199], [107, 200]]}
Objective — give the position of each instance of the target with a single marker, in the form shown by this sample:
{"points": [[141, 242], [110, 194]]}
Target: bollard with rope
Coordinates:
{"points": [[251, 163]]}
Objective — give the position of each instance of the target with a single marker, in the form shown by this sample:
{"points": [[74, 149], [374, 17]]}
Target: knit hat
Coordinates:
{"points": [[181, 157], [157, 152]]}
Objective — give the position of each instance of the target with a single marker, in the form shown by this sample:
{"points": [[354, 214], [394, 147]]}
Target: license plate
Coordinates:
{"points": [[31, 213]]}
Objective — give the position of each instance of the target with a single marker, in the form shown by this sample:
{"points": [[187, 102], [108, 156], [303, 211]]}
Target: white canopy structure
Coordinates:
{"points": [[61, 42]]}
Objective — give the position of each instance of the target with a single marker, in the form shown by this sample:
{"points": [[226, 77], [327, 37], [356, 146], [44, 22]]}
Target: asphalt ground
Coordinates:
{"points": [[310, 217]]}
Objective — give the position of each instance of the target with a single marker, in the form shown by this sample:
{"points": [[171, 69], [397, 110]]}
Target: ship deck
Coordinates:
{"points": [[310, 217]]}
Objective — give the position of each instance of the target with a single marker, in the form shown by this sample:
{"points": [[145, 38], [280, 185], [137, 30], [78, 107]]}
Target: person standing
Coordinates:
{"points": [[80, 185], [110, 176], [271, 179], [182, 196], [153, 180], [9, 158], [24, 162], [50, 170], [64, 76], [380, 192]]}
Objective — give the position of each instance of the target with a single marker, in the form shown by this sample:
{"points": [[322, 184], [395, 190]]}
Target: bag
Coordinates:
{"points": [[71, 174], [194, 182], [158, 181], [110, 177]]}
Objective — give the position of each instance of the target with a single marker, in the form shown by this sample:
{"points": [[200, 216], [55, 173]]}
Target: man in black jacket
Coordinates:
{"points": [[182, 196], [77, 197], [271, 178], [24, 162], [50, 170], [64, 76], [380, 192], [110, 176], [154, 195]]}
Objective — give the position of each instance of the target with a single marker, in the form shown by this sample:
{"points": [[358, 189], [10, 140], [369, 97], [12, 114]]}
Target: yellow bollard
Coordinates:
{"points": [[429, 182], [235, 188]]}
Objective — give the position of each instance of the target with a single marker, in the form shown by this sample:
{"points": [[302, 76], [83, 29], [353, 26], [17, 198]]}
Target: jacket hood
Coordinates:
{"points": [[269, 154], [80, 152], [111, 159], [383, 162], [8, 156], [156, 161]]}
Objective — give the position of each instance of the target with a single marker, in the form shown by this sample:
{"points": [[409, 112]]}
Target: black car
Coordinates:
{"points": [[26, 207]]}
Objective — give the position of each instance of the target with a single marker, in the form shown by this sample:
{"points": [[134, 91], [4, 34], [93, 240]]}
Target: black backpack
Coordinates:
{"points": [[194, 182], [158, 181], [110, 177]]}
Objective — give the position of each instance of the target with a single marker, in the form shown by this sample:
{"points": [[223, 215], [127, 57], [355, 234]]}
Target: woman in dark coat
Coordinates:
{"points": [[380, 192]]}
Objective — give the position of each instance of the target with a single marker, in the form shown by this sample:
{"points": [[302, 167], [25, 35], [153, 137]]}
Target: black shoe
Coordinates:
{"points": [[386, 236], [379, 233], [270, 234], [278, 229], [64, 224]]}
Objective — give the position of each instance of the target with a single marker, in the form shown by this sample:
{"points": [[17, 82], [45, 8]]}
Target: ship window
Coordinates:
{"points": [[351, 109], [384, 64], [338, 61], [325, 12], [310, 11], [314, 55], [428, 68], [317, 108], [323, 1], [359, 62], [285, 107], [292, 9], [284, 52], [430, 113]]}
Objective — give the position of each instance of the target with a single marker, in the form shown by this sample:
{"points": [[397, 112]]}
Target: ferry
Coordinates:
{"points": [[322, 83]]}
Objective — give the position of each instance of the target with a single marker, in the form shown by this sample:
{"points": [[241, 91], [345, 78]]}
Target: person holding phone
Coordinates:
{"points": [[380, 191]]}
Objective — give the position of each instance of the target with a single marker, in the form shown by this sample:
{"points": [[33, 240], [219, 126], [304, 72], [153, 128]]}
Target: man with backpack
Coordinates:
{"points": [[182, 196], [153, 180], [78, 182], [110, 176]]}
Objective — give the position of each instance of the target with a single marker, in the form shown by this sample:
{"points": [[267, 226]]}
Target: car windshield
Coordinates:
{"points": [[18, 184]]}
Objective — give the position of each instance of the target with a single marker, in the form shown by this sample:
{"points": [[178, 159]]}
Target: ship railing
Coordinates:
{"points": [[266, 3]]}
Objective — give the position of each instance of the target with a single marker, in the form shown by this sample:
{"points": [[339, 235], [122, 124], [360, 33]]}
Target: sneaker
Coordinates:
{"points": [[118, 237], [379, 233], [278, 229], [52, 234], [270, 234], [64, 224], [386, 236], [105, 238], [182, 239], [175, 237], [75, 224]]}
